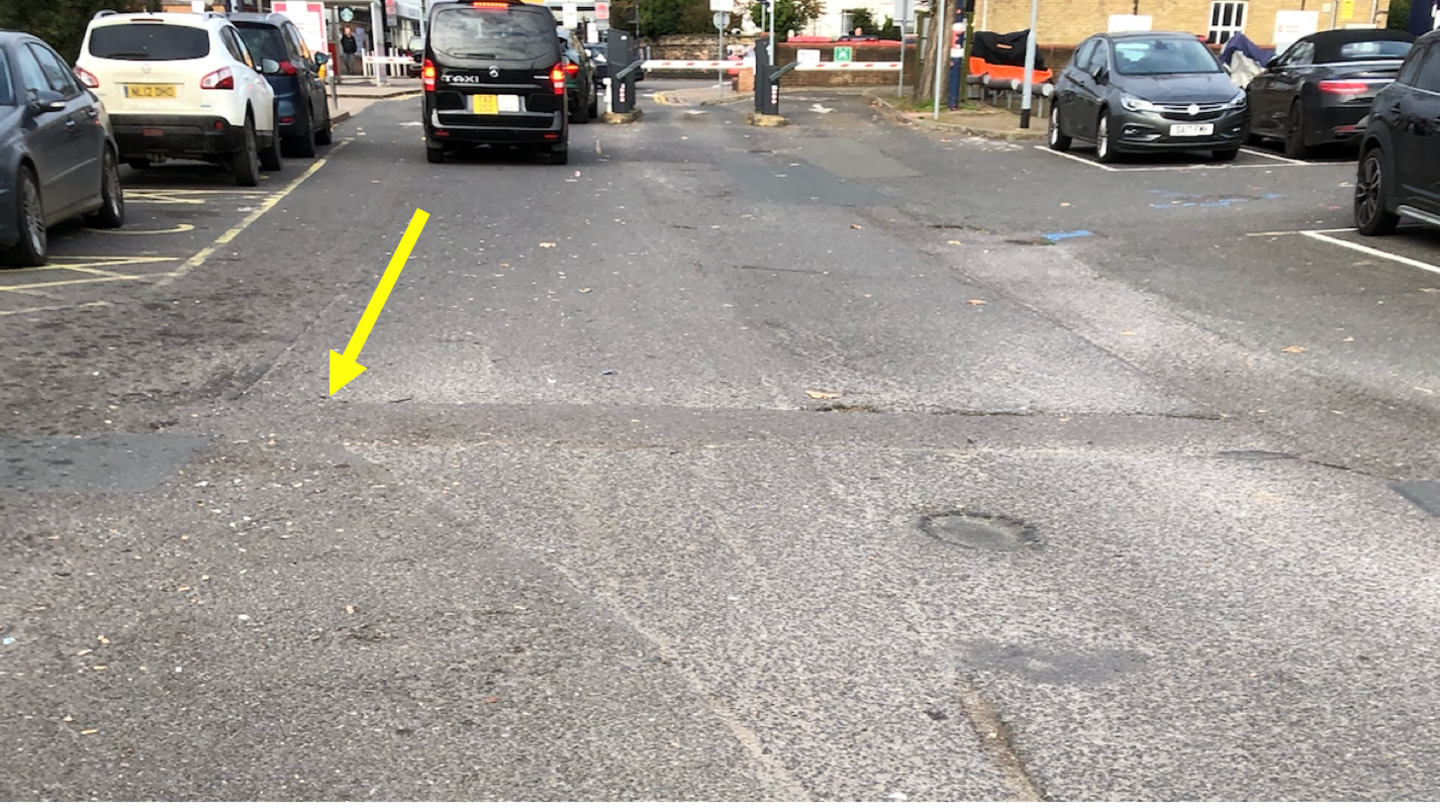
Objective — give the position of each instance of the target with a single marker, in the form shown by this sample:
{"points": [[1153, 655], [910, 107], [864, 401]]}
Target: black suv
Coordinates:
{"points": [[1400, 152], [494, 74]]}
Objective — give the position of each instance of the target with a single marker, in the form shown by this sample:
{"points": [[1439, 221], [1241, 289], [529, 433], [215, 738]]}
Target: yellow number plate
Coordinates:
{"points": [[485, 105], [149, 91]]}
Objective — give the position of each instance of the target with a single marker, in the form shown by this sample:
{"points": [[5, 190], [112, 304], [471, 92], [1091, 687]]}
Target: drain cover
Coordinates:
{"points": [[1423, 493], [981, 532]]}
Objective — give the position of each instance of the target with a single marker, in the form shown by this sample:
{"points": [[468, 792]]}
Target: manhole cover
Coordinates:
{"points": [[981, 532]]}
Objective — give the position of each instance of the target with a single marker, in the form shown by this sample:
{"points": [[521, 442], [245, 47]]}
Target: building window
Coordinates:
{"points": [[1226, 19]]}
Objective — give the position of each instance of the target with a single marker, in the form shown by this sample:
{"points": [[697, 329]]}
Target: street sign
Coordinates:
{"points": [[720, 19], [570, 16], [602, 11], [843, 55], [347, 14], [721, 5], [309, 17], [807, 56]]}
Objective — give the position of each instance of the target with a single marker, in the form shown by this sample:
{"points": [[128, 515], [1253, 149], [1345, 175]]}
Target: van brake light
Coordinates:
{"points": [[557, 79], [428, 74]]}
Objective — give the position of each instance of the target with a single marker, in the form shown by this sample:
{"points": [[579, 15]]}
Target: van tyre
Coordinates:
{"points": [[246, 162], [559, 156], [33, 246], [434, 154], [270, 159], [1372, 218], [112, 198]]}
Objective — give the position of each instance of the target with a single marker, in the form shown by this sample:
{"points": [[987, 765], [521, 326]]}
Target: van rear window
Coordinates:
{"points": [[501, 33], [149, 42]]}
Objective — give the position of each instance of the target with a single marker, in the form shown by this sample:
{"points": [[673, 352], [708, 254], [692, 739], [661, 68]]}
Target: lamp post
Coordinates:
{"points": [[1029, 66]]}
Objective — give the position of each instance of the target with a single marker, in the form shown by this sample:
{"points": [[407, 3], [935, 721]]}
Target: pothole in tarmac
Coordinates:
{"points": [[981, 532]]}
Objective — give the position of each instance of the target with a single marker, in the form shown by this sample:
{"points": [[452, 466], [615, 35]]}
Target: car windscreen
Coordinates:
{"points": [[149, 42], [493, 33], [1158, 57], [264, 41], [7, 92], [1366, 51]]}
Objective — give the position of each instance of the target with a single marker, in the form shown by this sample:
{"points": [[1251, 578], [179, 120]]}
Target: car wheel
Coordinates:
{"points": [[246, 162], [1372, 218], [324, 136], [1059, 141], [270, 159], [33, 246], [581, 113], [1295, 147], [1226, 155], [434, 154], [112, 197], [560, 155], [595, 106], [305, 143], [1104, 149]]}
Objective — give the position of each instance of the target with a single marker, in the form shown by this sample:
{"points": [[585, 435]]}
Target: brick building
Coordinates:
{"points": [[1066, 22]]}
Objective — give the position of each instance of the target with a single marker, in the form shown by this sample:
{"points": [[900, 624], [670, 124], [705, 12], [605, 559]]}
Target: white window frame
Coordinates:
{"points": [[1218, 31]]}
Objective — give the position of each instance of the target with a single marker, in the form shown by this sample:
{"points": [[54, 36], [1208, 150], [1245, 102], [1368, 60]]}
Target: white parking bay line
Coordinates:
{"points": [[1275, 157], [1371, 251], [1076, 158]]}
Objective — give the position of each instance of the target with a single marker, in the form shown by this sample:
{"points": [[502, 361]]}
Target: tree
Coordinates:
{"points": [[890, 30], [61, 23], [861, 18], [791, 16], [1399, 17], [660, 18]]}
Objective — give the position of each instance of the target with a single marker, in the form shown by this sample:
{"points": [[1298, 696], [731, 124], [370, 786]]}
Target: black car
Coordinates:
{"points": [[1319, 89], [1400, 151], [302, 112], [1148, 91], [493, 74], [582, 86], [57, 152]]}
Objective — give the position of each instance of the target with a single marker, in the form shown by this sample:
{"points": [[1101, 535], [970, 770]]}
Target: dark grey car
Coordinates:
{"points": [[57, 154], [1148, 91], [302, 113]]}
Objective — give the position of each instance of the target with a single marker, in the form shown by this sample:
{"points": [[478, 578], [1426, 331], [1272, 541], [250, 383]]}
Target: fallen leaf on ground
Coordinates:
{"points": [[822, 394], [955, 242], [976, 302], [492, 700], [547, 244], [350, 609], [89, 732], [1064, 205], [857, 227], [584, 289], [103, 639], [1127, 334], [1295, 350]]}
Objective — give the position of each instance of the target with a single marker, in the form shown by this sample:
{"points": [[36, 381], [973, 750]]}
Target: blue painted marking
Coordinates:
{"points": [[1188, 200], [1072, 234]]}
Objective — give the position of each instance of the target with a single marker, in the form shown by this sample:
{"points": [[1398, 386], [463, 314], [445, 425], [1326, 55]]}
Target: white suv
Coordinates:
{"points": [[182, 86]]}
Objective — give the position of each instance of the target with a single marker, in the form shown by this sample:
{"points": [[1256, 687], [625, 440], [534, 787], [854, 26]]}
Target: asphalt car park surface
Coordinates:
{"points": [[833, 461]]}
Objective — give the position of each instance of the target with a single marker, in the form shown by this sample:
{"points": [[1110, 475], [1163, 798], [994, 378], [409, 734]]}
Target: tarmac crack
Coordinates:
{"points": [[996, 740]]}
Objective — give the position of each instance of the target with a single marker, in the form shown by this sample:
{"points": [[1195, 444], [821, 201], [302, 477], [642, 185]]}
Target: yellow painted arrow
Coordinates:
{"points": [[345, 367]]}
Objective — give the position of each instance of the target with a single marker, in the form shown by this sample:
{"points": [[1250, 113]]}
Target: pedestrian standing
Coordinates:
{"points": [[349, 48]]}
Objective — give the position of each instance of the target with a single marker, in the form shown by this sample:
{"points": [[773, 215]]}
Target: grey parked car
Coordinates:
{"points": [[57, 153], [1148, 91]]}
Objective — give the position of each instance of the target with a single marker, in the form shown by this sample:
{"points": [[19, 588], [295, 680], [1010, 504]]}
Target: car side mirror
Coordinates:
{"points": [[47, 101], [322, 58], [1273, 63], [1102, 75], [269, 67]]}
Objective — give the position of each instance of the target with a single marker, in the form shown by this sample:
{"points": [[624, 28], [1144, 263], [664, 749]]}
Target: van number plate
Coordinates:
{"points": [[494, 105], [149, 91], [1191, 130]]}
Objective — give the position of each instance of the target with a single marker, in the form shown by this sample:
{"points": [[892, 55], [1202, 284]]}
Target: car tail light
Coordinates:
{"points": [[557, 79], [572, 69], [221, 79], [288, 68], [86, 78], [428, 74], [1349, 88]]}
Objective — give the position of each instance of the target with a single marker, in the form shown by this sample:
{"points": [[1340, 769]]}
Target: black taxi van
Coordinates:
{"points": [[494, 74]]}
